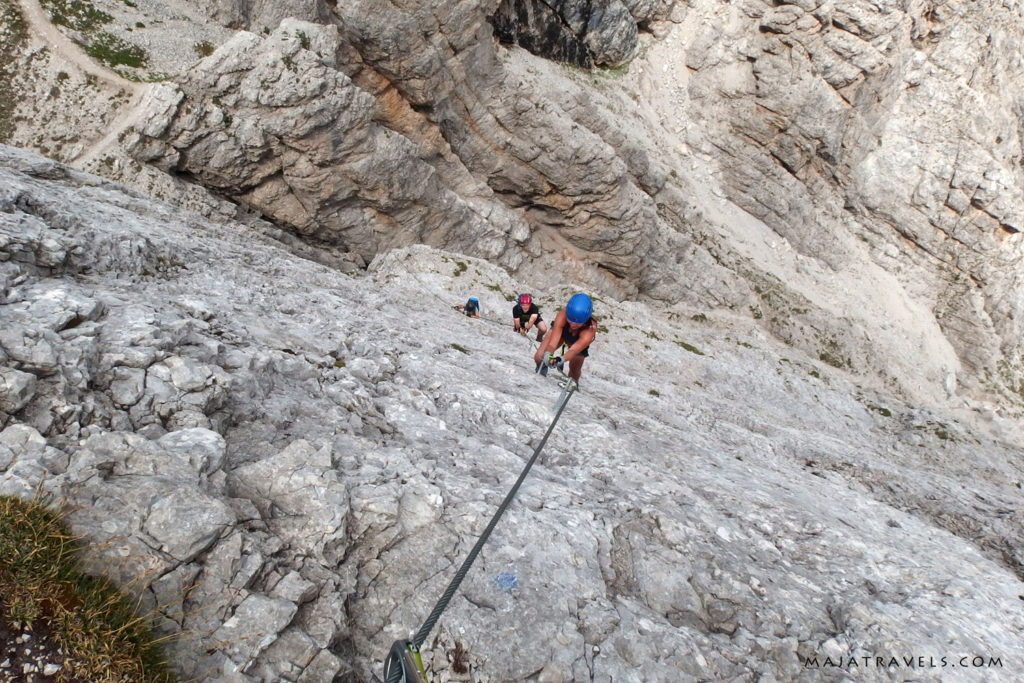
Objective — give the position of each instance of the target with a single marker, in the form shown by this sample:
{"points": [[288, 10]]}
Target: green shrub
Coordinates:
{"points": [[79, 15], [113, 51], [203, 48]]}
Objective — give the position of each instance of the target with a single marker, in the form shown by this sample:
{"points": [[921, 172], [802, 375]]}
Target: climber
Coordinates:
{"points": [[526, 314], [471, 308], [574, 327]]}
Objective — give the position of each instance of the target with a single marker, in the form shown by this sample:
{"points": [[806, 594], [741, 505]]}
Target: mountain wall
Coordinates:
{"points": [[897, 123], [798, 435], [781, 160], [287, 463]]}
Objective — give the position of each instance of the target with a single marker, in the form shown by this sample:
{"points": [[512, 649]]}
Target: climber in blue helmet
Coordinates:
{"points": [[573, 329], [472, 307]]}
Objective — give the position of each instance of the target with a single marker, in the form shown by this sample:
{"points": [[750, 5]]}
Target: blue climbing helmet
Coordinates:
{"points": [[473, 298], [579, 308]]}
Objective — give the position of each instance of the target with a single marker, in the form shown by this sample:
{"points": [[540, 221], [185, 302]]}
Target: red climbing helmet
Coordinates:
{"points": [[525, 300]]}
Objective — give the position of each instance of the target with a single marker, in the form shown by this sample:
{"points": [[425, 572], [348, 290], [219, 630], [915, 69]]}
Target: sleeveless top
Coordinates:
{"points": [[569, 338]]}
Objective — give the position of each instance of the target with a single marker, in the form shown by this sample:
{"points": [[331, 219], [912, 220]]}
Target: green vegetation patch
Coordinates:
{"points": [[881, 410], [79, 15], [499, 290], [459, 348], [88, 616], [830, 353], [13, 31], [689, 347], [830, 359], [940, 430], [113, 51], [203, 48], [613, 71]]}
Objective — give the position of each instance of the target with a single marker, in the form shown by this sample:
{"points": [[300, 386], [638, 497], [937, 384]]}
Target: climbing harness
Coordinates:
{"points": [[403, 663]]}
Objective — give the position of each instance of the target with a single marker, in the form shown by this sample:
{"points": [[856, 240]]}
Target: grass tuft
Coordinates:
{"points": [[204, 48], [40, 581], [78, 15], [881, 410], [689, 347], [112, 51]]}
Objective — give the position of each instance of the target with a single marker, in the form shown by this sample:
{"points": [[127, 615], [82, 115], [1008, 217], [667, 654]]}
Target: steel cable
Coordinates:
{"points": [[394, 672]]}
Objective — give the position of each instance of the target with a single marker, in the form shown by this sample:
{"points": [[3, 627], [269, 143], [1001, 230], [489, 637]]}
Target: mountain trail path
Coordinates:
{"points": [[43, 31]]}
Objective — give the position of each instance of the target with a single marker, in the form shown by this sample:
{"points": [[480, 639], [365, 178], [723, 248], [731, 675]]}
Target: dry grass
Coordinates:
{"points": [[86, 616]]}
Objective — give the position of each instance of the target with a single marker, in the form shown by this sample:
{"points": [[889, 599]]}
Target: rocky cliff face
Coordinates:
{"points": [[287, 463], [486, 135], [895, 122], [825, 196], [307, 152], [587, 34], [843, 130]]}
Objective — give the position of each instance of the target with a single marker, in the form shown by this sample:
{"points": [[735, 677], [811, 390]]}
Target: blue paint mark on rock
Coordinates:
{"points": [[506, 581]]}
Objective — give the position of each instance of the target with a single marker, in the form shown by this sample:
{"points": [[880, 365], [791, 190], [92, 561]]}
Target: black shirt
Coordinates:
{"points": [[524, 316]]}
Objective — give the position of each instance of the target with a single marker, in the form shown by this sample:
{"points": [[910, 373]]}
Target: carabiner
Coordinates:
{"points": [[404, 664]]}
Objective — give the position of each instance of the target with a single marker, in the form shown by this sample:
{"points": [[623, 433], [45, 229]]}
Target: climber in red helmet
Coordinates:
{"points": [[526, 315]]}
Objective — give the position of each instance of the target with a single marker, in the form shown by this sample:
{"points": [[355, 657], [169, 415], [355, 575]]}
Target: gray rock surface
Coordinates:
{"points": [[406, 123], [713, 505], [16, 389], [431, 93], [871, 143], [586, 34], [799, 432], [890, 122], [272, 122]]}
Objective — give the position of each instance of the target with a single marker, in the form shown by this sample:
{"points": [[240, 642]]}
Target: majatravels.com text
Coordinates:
{"points": [[903, 662]]}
